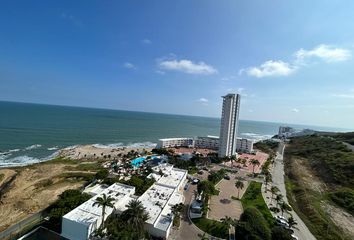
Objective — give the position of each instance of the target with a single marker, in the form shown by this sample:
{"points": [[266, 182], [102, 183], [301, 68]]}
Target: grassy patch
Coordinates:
{"points": [[212, 227], [61, 160], [2, 176], [253, 198], [79, 176], [85, 167], [343, 198], [333, 163]]}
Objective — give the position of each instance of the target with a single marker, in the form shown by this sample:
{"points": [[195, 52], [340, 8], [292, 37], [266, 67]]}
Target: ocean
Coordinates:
{"points": [[31, 133]]}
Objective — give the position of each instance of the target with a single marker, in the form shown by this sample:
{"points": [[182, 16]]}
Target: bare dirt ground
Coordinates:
{"points": [[339, 216], [28, 193], [8, 173], [312, 181]]}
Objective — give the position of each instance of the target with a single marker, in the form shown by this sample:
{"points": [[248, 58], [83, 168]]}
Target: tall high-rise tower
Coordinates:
{"points": [[229, 125]]}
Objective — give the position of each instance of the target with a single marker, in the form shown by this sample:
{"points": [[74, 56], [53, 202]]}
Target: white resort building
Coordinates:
{"points": [[175, 142], [157, 200], [244, 145], [229, 125], [86, 218], [209, 142]]}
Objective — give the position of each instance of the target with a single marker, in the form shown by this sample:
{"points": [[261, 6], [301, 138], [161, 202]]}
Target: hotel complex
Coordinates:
{"points": [[158, 200], [229, 124]]}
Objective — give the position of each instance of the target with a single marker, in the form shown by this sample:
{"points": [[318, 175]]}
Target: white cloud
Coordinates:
{"points": [[349, 94], [295, 110], [129, 65], [203, 100], [160, 72], [271, 68], [146, 41], [187, 66], [325, 52]]}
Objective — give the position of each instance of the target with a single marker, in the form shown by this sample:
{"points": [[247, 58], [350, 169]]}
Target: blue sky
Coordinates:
{"points": [[292, 61]]}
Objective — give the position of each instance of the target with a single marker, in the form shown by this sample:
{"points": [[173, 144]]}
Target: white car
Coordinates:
{"points": [[294, 237], [281, 218], [282, 222]]}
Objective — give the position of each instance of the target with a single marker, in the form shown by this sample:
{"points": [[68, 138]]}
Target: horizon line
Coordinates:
{"points": [[172, 114]]}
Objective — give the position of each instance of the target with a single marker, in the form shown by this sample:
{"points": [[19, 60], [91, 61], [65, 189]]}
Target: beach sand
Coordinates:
{"points": [[94, 152]]}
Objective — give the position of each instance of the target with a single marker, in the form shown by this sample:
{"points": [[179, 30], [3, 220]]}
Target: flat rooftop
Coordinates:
{"points": [[86, 213], [173, 139], [173, 178], [155, 199]]}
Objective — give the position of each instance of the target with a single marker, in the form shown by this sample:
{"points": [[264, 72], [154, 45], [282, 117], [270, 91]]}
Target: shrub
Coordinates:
{"points": [[252, 225]]}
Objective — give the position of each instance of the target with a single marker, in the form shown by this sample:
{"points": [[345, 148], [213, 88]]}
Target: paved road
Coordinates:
{"points": [[187, 230], [302, 232]]}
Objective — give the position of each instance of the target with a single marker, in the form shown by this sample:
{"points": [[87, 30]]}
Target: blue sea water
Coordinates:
{"points": [[33, 132]]}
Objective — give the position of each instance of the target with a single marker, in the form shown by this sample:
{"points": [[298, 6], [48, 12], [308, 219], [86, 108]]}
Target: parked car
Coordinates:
{"points": [[186, 187], [281, 222], [281, 218], [294, 237], [195, 181], [227, 177]]}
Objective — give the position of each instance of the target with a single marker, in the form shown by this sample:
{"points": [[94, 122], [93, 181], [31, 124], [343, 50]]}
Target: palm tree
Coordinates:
{"points": [[233, 158], [279, 199], [254, 163], [291, 221], [177, 209], [244, 162], [104, 201], [274, 190], [135, 216], [239, 185], [268, 178], [284, 207]]}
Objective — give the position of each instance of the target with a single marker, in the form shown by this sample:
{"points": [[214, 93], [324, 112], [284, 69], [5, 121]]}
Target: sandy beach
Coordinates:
{"points": [[97, 151]]}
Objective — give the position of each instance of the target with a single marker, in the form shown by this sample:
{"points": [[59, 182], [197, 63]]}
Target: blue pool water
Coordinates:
{"points": [[137, 161]]}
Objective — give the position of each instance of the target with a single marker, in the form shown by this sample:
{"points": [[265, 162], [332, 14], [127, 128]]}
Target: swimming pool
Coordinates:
{"points": [[137, 161]]}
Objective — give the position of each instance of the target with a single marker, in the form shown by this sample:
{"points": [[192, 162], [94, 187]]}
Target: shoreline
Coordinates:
{"points": [[78, 152]]}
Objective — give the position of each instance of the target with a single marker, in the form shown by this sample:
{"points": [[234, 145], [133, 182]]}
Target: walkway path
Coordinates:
{"points": [[187, 230], [302, 232]]}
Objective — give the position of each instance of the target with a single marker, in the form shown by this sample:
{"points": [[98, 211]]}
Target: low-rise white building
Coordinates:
{"points": [[175, 142], [158, 200], [81, 222], [208, 142], [244, 145]]}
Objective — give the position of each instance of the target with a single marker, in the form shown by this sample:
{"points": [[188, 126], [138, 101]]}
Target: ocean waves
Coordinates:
{"points": [[256, 136], [129, 145]]}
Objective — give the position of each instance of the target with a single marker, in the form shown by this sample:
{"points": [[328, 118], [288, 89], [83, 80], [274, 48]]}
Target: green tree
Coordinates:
{"points": [[66, 202], [274, 190], [135, 216], [291, 221], [233, 158], [279, 199], [254, 163], [104, 202], [252, 225], [239, 185], [280, 233], [267, 179], [284, 207], [102, 174]]}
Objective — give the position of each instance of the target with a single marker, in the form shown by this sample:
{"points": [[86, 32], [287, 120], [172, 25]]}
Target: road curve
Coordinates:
{"points": [[277, 171]]}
